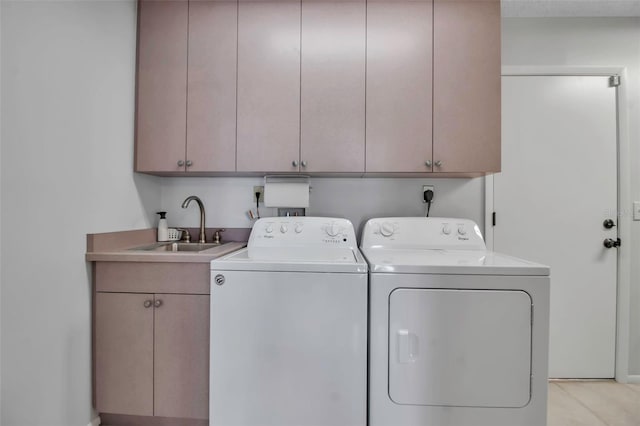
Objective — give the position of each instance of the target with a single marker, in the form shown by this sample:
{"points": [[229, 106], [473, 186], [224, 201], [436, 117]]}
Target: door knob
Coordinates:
{"points": [[427, 163], [148, 303], [158, 303], [180, 163], [294, 163], [611, 243], [438, 163], [609, 223]]}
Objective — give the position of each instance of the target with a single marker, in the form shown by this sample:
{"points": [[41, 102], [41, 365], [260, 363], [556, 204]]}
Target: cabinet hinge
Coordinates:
{"points": [[614, 81], [493, 219]]}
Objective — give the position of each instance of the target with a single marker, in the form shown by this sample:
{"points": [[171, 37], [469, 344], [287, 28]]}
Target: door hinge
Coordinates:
{"points": [[532, 315], [614, 81], [493, 219], [530, 384]]}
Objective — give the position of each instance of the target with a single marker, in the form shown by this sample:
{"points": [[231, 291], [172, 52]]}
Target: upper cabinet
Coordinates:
{"points": [[301, 94], [332, 109], [211, 89], [268, 86], [399, 92], [161, 85], [317, 86], [186, 94], [466, 86]]}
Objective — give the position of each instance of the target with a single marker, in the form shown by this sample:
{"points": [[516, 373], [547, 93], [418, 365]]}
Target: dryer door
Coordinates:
{"points": [[465, 348]]}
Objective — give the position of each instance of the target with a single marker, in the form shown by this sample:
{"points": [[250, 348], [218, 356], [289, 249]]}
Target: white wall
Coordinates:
{"points": [[227, 199], [591, 42], [66, 170]]}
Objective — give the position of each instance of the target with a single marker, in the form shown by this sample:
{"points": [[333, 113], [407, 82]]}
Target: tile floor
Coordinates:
{"points": [[593, 403]]}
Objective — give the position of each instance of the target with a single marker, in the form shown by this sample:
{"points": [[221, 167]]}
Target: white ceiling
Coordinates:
{"points": [[569, 8]]}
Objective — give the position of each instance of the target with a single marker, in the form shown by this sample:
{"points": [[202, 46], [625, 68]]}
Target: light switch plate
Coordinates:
{"points": [[636, 210]]}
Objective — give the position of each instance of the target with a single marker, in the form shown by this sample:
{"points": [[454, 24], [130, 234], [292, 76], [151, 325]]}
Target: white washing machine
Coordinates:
{"points": [[458, 334], [289, 327]]}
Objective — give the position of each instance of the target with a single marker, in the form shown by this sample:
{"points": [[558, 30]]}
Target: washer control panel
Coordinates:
{"points": [[422, 233], [302, 232]]}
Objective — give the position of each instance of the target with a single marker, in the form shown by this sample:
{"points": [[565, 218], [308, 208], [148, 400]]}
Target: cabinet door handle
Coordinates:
{"points": [[180, 163], [427, 163], [189, 163], [158, 303], [294, 163], [148, 303], [438, 163], [303, 164]]}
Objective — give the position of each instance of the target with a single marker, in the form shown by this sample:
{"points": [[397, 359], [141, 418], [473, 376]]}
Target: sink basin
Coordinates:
{"points": [[187, 247], [177, 247]]}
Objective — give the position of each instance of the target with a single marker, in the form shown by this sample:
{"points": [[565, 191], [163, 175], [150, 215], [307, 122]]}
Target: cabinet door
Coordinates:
{"points": [[124, 353], [182, 356], [211, 110], [466, 121], [268, 85], [161, 85], [399, 96], [333, 86]]}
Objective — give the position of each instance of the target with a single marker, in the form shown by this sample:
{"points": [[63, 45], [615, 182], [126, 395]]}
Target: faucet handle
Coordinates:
{"points": [[186, 237], [216, 236]]}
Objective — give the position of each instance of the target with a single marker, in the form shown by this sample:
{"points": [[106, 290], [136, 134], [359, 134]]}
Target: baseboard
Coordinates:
{"points": [[94, 422], [633, 378]]}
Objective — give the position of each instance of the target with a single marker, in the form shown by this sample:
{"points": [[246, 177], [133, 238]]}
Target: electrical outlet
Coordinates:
{"points": [[426, 188], [256, 190]]}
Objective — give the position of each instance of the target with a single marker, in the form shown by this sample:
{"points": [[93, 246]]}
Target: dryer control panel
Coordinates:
{"points": [[422, 233], [302, 232]]}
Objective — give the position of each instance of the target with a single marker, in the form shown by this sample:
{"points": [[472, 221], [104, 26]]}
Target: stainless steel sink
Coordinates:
{"points": [[177, 247], [187, 247]]}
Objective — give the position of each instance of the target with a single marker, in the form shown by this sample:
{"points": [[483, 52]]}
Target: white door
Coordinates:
{"points": [[557, 187]]}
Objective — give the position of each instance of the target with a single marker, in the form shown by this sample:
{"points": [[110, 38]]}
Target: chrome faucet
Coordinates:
{"points": [[185, 204]]}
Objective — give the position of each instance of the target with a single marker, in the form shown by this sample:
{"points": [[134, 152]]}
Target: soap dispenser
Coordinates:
{"points": [[163, 228]]}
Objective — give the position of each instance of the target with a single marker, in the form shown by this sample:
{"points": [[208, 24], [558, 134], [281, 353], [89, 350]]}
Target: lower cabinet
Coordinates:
{"points": [[152, 354]]}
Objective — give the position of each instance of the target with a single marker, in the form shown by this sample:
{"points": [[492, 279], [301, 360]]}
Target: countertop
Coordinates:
{"points": [[117, 247]]}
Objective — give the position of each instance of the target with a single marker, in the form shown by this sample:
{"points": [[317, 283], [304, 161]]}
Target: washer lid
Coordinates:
{"points": [[462, 262], [293, 259]]}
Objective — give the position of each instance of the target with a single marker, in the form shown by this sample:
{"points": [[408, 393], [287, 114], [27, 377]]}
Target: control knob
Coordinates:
{"points": [[283, 228], [298, 228], [332, 230], [387, 229], [461, 230], [269, 229], [446, 230]]}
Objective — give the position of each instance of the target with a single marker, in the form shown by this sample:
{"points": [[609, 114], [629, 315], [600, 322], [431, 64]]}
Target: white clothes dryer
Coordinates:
{"points": [[458, 334], [289, 327]]}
